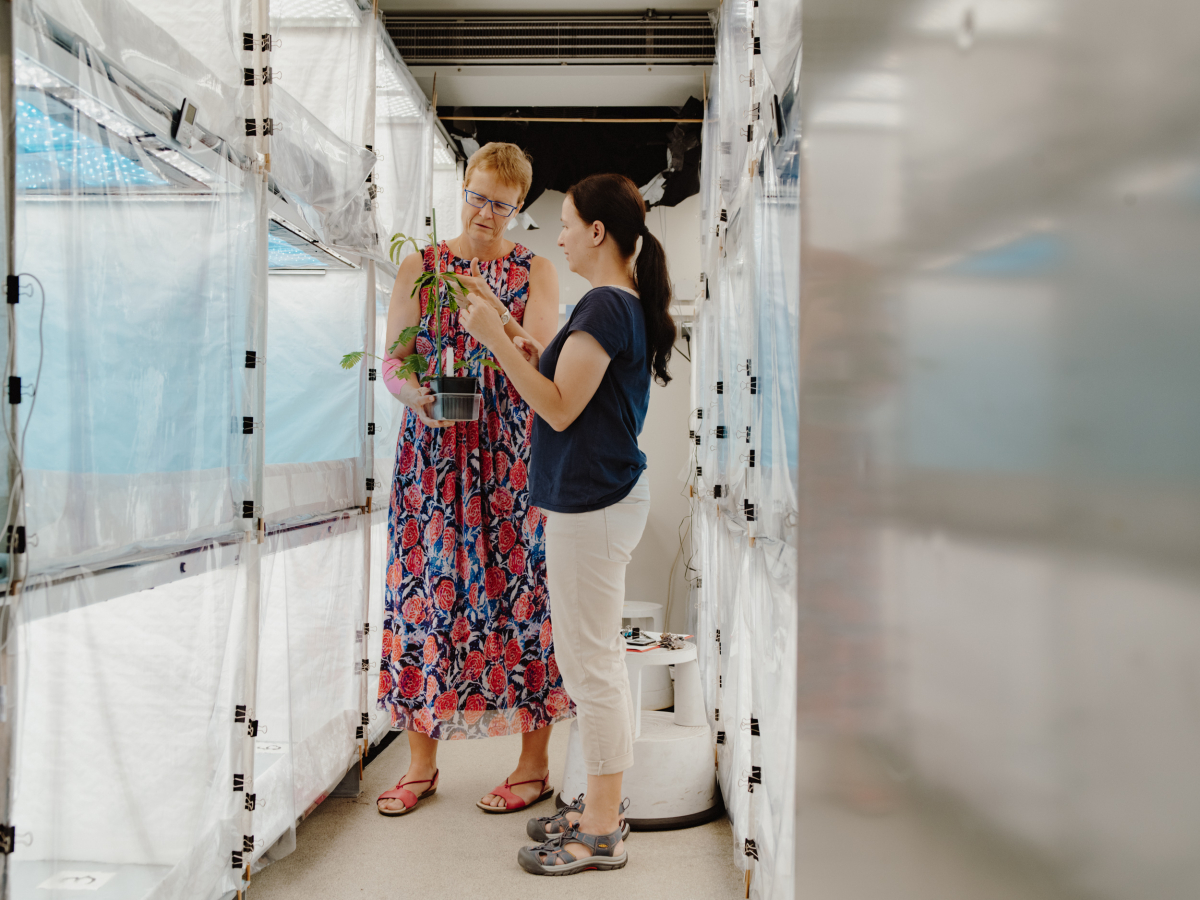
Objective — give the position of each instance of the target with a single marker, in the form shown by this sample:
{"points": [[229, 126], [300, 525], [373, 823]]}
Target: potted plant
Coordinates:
{"points": [[456, 397]]}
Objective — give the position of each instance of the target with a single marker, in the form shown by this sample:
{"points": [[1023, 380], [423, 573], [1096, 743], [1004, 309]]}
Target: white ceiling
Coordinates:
{"points": [[550, 85], [574, 85]]}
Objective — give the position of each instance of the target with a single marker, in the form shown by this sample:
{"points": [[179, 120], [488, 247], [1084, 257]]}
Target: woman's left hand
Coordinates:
{"points": [[481, 321]]}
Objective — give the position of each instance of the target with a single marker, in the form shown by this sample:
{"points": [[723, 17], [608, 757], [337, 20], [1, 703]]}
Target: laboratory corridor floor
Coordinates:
{"points": [[449, 848]]}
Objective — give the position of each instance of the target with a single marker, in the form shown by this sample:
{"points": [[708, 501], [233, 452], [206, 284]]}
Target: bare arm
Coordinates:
{"points": [[541, 309], [404, 310], [581, 366]]}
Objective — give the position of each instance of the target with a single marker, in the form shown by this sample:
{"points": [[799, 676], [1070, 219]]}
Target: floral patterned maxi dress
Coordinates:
{"points": [[467, 648]]}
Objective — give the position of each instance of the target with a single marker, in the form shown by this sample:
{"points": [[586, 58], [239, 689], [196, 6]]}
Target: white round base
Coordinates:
{"points": [[673, 782]]}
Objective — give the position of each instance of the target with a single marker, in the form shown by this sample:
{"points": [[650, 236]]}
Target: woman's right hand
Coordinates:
{"points": [[530, 349], [419, 399]]}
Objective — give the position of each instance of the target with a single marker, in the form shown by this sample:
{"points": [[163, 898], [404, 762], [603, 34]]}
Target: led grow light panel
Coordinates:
{"points": [[282, 255], [323, 12], [442, 155], [393, 100], [287, 248], [53, 156], [396, 106]]}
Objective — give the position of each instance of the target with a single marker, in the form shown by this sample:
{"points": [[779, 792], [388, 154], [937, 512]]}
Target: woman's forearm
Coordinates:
{"points": [[542, 394], [513, 329]]}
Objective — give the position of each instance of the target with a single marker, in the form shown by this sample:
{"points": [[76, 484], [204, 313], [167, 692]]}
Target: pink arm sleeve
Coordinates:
{"points": [[390, 379]]}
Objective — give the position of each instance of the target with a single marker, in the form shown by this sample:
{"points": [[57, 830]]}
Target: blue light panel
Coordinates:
{"points": [[53, 156], [282, 255]]}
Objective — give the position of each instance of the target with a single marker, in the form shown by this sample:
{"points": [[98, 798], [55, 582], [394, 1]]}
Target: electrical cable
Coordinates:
{"points": [[16, 492]]}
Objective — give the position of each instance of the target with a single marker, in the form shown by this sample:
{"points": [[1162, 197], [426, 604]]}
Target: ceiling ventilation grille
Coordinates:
{"points": [[593, 39]]}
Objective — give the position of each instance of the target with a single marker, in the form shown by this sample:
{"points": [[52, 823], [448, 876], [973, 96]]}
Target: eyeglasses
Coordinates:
{"points": [[500, 210]]}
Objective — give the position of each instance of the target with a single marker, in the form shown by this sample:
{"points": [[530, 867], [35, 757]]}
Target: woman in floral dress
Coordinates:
{"points": [[467, 642]]}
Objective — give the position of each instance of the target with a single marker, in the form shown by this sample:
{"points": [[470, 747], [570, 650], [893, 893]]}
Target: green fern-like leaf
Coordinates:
{"points": [[397, 244], [491, 364], [407, 336], [350, 360], [415, 364]]}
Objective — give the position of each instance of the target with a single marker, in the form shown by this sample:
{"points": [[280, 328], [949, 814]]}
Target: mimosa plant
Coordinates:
{"points": [[444, 291]]}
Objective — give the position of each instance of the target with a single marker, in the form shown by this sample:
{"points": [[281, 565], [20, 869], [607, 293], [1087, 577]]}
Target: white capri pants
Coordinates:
{"points": [[586, 556]]}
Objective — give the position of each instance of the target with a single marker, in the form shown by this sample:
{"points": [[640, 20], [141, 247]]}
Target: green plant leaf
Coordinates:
{"points": [[414, 364], [350, 360], [461, 364], [398, 241], [404, 337], [491, 364]]}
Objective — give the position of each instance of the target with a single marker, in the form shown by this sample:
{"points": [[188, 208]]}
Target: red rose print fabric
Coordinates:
{"points": [[466, 617]]}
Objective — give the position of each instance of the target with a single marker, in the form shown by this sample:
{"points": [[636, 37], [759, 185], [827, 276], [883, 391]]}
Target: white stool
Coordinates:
{"points": [[673, 781], [657, 692]]}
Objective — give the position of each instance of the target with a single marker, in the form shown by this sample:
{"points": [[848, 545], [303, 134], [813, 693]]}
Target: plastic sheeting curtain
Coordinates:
{"points": [[139, 260], [745, 396], [142, 303]]}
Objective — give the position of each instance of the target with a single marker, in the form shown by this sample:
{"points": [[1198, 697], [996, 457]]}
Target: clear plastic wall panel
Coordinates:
{"points": [[331, 70], [125, 739], [404, 135], [312, 402], [379, 721], [146, 43], [328, 67], [275, 814], [734, 324], [323, 174], [210, 30], [778, 28], [710, 195], [134, 335], [998, 481], [775, 391], [708, 646], [734, 763], [447, 191], [389, 411], [734, 68], [310, 673], [771, 608], [739, 347], [704, 379], [711, 201]]}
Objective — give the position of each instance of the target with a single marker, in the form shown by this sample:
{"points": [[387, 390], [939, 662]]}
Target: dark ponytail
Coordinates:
{"points": [[615, 201]]}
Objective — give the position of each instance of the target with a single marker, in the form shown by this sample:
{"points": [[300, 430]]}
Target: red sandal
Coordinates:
{"points": [[410, 800], [512, 801]]}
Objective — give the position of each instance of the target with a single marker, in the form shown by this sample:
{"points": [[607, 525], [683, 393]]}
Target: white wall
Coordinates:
{"points": [[664, 437]]}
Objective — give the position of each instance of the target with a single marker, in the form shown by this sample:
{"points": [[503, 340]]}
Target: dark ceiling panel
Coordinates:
{"points": [[429, 40]]}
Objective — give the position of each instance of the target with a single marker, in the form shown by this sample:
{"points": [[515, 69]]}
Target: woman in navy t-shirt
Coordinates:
{"points": [[590, 388]]}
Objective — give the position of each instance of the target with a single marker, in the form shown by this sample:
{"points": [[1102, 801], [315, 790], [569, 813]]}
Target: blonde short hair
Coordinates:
{"points": [[510, 163]]}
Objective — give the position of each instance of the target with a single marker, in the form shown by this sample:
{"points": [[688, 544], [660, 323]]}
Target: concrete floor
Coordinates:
{"points": [[449, 848]]}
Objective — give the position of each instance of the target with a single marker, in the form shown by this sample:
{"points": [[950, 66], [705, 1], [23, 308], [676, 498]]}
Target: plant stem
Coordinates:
{"points": [[437, 293]]}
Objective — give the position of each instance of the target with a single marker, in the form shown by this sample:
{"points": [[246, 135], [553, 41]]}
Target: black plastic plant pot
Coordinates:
{"points": [[455, 399]]}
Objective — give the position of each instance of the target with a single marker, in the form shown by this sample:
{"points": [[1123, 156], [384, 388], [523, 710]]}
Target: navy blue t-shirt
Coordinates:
{"points": [[595, 461]]}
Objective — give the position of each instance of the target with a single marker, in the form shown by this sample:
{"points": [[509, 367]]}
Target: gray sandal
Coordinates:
{"points": [[543, 828], [552, 857]]}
